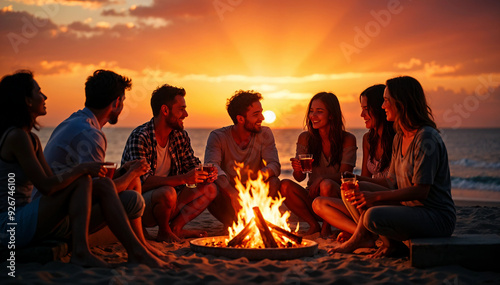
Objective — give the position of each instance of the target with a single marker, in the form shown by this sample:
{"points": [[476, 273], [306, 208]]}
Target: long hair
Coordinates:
{"points": [[336, 132], [14, 112], [413, 110], [375, 98]]}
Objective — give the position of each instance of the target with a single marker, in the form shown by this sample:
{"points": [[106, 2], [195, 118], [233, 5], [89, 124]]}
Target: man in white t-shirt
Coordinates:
{"points": [[166, 146]]}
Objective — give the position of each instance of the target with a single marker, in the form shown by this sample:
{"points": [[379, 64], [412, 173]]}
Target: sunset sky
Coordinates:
{"points": [[286, 50]]}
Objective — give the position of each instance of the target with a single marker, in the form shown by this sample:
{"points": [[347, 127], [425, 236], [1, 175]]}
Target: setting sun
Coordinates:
{"points": [[269, 116]]}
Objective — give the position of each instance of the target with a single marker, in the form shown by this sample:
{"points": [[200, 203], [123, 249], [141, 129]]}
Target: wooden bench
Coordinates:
{"points": [[474, 251]]}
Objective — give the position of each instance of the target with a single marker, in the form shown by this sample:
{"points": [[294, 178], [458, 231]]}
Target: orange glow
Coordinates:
{"points": [[255, 194], [286, 51]]}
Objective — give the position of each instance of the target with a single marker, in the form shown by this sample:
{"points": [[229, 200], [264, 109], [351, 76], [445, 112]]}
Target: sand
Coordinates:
{"points": [[195, 268]]}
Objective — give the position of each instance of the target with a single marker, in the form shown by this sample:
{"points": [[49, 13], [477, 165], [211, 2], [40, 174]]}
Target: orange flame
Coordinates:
{"points": [[256, 194]]}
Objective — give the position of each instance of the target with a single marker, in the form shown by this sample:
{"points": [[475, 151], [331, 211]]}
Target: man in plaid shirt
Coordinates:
{"points": [[167, 148]]}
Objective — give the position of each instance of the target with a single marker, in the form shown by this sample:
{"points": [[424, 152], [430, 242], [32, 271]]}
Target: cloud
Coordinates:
{"points": [[114, 13], [83, 3], [433, 69], [179, 9], [413, 62]]}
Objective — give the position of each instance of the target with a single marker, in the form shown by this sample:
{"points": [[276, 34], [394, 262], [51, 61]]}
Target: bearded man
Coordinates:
{"points": [[166, 146], [246, 145]]}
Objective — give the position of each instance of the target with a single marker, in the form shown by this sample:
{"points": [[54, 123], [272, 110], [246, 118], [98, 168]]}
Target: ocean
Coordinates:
{"points": [[474, 154]]}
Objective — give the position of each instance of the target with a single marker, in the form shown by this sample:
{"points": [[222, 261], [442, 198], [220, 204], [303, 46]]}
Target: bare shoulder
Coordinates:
{"points": [[17, 135]]}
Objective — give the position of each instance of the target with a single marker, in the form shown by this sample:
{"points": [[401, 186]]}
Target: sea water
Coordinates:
{"points": [[474, 154]]}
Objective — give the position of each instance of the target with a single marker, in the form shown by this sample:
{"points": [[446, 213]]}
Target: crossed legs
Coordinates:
{"points": [[172, 211]]}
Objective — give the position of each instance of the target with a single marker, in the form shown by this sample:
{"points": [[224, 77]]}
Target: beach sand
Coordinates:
{"points": [[195, 268]]}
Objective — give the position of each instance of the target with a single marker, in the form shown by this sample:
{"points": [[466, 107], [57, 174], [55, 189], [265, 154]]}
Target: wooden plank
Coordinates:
{"points": [[475, 251], [292, 236], [265, 233], [238, 239]]}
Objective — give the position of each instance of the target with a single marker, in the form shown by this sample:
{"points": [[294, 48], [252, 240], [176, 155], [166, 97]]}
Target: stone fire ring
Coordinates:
{"points": [[307, 248]]}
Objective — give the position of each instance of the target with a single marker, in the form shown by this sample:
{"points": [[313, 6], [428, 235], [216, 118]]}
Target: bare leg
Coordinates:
{"points": [[118, 223], [222, 208], [327, 188], [190, 203], [333, 212], [274, 186], [136, 224], [159, 210], [76, 201], [300, 203]]}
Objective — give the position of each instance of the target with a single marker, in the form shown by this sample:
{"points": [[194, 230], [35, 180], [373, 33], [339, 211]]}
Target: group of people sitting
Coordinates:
{"points": [[62, 192]]}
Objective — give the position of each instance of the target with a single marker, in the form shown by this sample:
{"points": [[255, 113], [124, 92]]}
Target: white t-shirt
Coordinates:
{"points": [[164, 160]]}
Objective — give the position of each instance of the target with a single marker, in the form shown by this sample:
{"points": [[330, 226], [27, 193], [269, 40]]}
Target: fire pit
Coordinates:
{"points": [[261, 231], [204, 245]]}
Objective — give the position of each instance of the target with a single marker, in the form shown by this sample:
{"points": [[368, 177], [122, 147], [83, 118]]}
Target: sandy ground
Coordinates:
{"points": [[196, 268]]}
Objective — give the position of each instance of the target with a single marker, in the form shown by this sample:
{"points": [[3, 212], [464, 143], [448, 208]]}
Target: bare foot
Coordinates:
{"points": [[312, 230], [88, 260], [167, 236], [392, 249], [191, 233], [154, 250], [343, 237], [351, 245], [326, 230]]}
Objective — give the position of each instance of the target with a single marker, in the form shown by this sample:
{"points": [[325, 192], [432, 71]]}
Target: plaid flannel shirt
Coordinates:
{"points": [[142, 144]]}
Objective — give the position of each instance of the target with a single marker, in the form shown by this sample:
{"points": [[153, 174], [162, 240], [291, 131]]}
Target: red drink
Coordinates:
{"points": [[306, 161], [209, 168], [110, 170]]}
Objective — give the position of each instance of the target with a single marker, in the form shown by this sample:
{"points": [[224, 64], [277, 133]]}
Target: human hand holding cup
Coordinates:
{"points": [[349, 189], [110, 169], [211, 171], [306, 161], [196, 171]]}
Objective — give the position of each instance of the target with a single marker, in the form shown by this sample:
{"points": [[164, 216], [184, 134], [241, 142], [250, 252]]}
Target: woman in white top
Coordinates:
{"points": [[334, 151]]}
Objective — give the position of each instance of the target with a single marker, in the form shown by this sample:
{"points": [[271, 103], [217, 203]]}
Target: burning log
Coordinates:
{"points": [[265, 233], [238, 239], [294, 237]]}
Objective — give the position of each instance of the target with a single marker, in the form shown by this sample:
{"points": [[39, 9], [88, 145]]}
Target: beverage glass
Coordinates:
{"points": [[198, 167], [209, 168], [306, 161], [110, 169], [348, 189]]}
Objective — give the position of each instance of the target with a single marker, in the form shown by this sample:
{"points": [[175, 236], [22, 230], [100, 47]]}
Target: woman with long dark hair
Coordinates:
{"points": [[68, 194], [377, 149], [418, 179], [333, 150], [377, 142]]}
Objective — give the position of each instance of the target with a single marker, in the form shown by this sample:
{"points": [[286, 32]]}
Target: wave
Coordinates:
{"points": [[476, 182], [475, 164]]}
